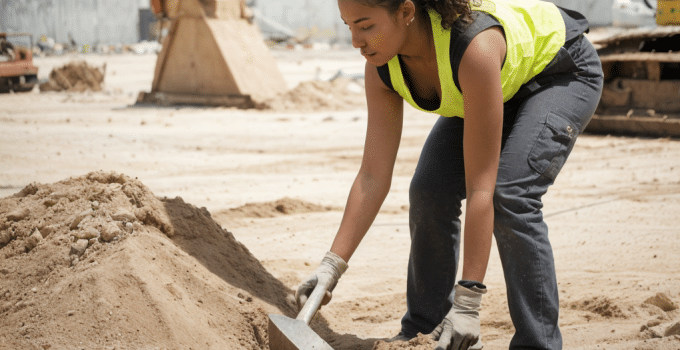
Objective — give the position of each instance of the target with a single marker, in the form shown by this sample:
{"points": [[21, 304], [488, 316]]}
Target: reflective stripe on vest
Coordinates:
{"points": [[530, 47]]}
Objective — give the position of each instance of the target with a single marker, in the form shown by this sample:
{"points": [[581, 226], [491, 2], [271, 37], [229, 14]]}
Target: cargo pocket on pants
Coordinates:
{"points": [[552, 146]]}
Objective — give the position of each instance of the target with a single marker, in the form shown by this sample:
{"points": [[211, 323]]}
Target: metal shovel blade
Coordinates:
{"points": [[286, 333]]}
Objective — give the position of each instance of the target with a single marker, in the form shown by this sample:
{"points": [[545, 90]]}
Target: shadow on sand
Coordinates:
{"points": [[216, 249]]}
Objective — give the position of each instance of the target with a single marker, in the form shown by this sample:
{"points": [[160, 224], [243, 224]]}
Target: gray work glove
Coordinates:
{"points": [[329, 271], [460, 329]]}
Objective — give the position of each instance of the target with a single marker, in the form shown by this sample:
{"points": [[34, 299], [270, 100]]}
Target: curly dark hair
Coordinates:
{"points": [[449, 10]]}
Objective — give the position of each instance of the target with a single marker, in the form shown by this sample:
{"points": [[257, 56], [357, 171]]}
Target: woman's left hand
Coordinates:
{"points": [[460, 329]]}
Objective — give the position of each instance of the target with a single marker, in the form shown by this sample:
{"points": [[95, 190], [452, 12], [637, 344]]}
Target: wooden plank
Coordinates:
{"points": [[642, 56], [195, 65], [653, 70], [607, 70], [191, 8], [169, 99], [248, 58], [639, 126], [642, 33], [662, 96], [229, 9], [162, 56], [633, 69], [613, 96]]}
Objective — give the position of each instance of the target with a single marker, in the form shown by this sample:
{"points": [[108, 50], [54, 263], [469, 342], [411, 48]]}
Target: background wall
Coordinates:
{"points": [[88, 22], [598, 12], [318, 18], [111, 22]]}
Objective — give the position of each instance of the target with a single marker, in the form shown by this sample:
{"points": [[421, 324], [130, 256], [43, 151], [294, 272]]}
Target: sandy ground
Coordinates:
{"points": [[613, 215]]}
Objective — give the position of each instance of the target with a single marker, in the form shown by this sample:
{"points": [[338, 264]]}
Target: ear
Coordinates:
{"points": [[406, 12]]}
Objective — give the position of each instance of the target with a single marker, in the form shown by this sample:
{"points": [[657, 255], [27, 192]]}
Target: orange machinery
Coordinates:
{"points": [[17, 72]]}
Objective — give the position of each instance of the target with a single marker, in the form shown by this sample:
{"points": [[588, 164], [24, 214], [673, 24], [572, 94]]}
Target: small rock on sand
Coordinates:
{"points": [[18, 215], [78, 218], [79, 247], [674, 329], [6, 237], [87, 233], [662, 301], [123, 215], [33, 240], [110, 231], [48, 230]]}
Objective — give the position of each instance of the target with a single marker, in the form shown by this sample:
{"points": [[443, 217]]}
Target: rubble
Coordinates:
{"points": [[75, 77]]}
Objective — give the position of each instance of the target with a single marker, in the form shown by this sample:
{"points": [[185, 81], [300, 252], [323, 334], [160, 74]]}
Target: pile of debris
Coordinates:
{"points": [[338, 94], [75, 77]]}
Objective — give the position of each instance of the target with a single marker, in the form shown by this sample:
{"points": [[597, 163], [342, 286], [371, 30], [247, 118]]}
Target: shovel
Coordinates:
{"points": [[286, 333]]}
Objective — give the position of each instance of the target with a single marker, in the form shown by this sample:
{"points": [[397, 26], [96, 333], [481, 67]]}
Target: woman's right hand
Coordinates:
{"points": [[329, 271]]}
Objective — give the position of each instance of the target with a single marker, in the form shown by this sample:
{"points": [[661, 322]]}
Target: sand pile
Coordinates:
{"points": [[99, 262], [75, 77], [283, 206], [339, 94]]}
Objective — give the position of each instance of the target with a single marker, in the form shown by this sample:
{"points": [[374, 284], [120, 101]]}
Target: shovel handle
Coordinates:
{"points": [[313, 303]]}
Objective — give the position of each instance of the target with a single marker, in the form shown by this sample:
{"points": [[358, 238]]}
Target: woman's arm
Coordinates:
{"points": [[385, 120], [480, 80]]}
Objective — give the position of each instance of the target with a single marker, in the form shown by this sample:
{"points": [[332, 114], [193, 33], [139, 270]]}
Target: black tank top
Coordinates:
{"points": [[463, 33]]}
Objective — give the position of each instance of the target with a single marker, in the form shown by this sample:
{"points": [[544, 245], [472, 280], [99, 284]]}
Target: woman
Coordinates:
{"points": [[514, 82]]}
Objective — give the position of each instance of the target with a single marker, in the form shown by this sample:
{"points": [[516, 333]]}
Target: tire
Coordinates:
{"points": [[25, 83], [23, 88], [4, 85]]}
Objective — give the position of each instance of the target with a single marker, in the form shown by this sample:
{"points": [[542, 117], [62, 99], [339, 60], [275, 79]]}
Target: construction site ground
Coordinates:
{"points": [[278, 180]]}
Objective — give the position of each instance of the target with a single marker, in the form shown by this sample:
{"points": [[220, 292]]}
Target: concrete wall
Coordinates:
{"points": [[598, 12], [88, 22], [319, 18], [322, 17], [117, 21]]}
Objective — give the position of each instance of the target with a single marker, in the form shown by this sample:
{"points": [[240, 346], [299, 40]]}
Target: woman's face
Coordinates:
{"points": [[376, 32]]}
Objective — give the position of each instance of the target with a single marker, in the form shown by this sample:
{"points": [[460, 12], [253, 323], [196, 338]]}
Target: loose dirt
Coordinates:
{"points": [[421, 342], [151, 272], [335, 95]]}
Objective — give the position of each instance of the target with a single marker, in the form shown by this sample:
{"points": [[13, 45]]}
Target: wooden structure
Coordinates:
{"points": [[212, 55], [641, 95]]}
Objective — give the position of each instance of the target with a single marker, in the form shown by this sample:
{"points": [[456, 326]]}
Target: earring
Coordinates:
{"points": [[411, 21]]}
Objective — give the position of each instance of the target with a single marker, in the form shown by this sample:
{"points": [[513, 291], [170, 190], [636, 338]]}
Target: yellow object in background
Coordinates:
{"points": [[668, 12]]}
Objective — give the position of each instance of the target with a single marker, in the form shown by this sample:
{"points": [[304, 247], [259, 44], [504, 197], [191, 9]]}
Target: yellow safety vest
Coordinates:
{"points": [[531, 45]]}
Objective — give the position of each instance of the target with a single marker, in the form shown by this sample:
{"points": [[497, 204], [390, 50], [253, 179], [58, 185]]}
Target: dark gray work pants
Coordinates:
{"points": [[541, 124]]}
